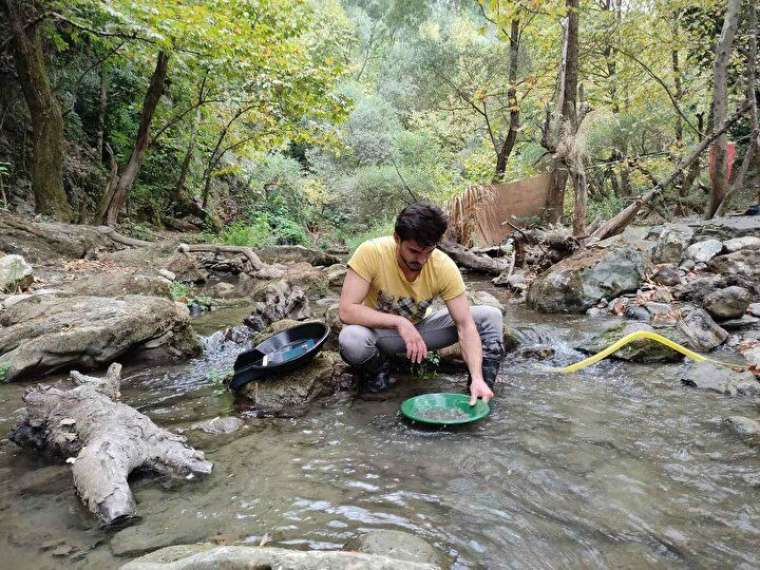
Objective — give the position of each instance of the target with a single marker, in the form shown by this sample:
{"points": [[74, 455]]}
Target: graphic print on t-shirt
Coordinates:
{"points": [[404, 306]]}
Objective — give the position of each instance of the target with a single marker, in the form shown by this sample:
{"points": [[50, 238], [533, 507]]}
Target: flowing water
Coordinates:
{"points": [[619, 466]]}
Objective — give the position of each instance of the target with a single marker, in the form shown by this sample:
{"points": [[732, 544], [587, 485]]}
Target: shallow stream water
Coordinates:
{"points": [[619, 466]]}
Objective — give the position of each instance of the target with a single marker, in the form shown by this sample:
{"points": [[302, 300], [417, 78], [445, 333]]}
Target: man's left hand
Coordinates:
{"points": [[479, 389]]}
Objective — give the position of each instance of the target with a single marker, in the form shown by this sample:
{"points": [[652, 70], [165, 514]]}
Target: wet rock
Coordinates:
{"points": [[139, 539], [15, 273], [746, 242], [742, 425], [536, 352], [703, 251], [211, 557], [646, 351], [754, 309], [296, 254], [727, 303], [636, 313], [745, 262], [720, 379], [596, 312], [743, 322], [702, 333], [578, 282], [671, 244], [51, 480], [394, 544], [219, 426], [288, 394], [42, 334], [668, 274], [697, 289], [276, 301]]}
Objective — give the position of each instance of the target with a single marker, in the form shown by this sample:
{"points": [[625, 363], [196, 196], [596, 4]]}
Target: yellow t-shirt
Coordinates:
{"points": [[390, 292]]}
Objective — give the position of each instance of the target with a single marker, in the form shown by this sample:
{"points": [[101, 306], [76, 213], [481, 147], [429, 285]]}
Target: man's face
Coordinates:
{"points": [[412, 255]]}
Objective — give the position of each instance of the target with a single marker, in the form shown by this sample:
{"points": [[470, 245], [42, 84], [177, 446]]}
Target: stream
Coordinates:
{"points": [[618, 466]]}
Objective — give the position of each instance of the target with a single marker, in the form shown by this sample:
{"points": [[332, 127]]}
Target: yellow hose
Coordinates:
{"points": [[614, 347]]}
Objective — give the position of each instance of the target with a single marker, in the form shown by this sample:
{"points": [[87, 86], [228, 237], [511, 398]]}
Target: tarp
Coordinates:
{"points": [[478, 215]]}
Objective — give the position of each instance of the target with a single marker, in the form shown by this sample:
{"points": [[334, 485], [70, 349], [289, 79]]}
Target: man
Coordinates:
{"points": [[389, 287]]}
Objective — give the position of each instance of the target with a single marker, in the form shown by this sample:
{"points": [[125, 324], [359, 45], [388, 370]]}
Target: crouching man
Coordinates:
{"points": [[389, 288]]}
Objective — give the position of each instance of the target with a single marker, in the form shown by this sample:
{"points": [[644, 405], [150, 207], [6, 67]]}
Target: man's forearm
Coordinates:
{"points": [[472, 352], [356, 314]]}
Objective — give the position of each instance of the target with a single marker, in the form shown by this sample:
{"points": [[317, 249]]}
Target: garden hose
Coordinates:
{"points": [[638, 335]]}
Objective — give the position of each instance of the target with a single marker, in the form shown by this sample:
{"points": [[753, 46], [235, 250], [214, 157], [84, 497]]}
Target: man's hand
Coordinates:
{"points": [[479, 389], [416, 350]]}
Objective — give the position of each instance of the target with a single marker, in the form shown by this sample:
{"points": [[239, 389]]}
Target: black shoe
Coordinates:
{"points": [[375, 376], [490, 367]]}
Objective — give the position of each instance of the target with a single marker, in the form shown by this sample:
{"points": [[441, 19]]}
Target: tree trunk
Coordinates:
{"points": [[567, 108], [102, 107], [514, 109], [113, 201], [104, 440], [720, 104], [179, 189], [580, 184], [44, 110]]}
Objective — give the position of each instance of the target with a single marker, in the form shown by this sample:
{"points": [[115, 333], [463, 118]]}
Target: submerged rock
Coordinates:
{"points": [[720, 379], [211, 557], [394, 544], [742, 425], [219, 426]]}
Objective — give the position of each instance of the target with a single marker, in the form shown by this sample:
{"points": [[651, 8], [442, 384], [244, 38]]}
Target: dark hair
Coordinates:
{"points": [[421, 222]]}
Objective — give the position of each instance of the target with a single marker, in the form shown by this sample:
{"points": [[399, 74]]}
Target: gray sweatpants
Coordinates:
{"points": [[358, 344]]}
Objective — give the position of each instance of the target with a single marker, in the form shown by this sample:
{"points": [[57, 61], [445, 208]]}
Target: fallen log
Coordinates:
{"points": [[477, 262], [104, 440]]}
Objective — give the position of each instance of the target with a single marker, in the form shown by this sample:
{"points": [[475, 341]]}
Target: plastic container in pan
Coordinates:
{"points": [[280, 353]]}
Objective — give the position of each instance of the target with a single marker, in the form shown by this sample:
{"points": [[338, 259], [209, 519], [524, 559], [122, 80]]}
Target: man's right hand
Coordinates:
{"points": [[416, 350]]}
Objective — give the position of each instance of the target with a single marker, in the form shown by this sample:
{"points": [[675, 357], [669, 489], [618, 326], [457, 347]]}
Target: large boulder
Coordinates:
{"points": [[582, 280], [296, 253], [746, 242], [727, 228], [118, 283], [727, 303], [277, 300], [42, 334], [15, 273], [211, 557], [644, 350], [287, 395], [701, 332]]}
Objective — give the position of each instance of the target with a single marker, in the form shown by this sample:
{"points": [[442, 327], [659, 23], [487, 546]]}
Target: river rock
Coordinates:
{"points": [[44, 333], [485, 298], [720, 379], [754, 309], [394, 544], [668, 274], [742, 425], [746, 242], [122, 282], [703, 334], [15, 273], [275, 301], [219, 426], [727, 303], [287, 395], [139, 539], [671, 244], [186, 268], [636, 313], [336, 274], [212, 557], [646, 351], [580, 281], [745, 262], [704, 251], [224, 290]]}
